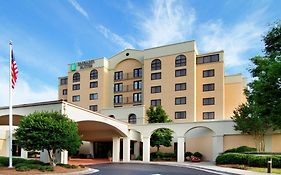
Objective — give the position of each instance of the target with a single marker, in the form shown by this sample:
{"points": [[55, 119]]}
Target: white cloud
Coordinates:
{"points": [[23, 92], [167, 21], [236, 40], [114, 37], [77, 6]]}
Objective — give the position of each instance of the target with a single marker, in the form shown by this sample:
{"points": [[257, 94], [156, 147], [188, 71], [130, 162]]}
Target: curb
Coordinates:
{"points": [[88, 171]]}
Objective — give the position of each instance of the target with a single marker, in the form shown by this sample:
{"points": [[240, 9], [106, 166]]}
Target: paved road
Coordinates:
{"points": [[145, 169]]}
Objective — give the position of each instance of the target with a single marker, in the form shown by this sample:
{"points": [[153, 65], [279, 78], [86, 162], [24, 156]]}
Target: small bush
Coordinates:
{"points": [[1, 165], [198, 155], [139, 157], [188, 154], [241, 149], [23, 168], [233, 158], [46, 168]]}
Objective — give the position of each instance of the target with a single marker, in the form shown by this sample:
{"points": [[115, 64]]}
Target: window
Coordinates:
{"points": [[76, 77], [156, 102], [94, 74], [208, 73], [155, 89], [180, 115], [208, 115], [209, 101], [137, 85], [94, 84], [64, 92], [16, 149], [132, 119], [156, 76], [76, 98], [63, 81], [180, 61], [208, 59], [180, 86], [208, 87], [138, 72], [118, 75], [76, 87], [180, 100], [180, 72], [137, 97], [118, 87], [93, 107], [156, 64], [93, 96], [118, 99]]}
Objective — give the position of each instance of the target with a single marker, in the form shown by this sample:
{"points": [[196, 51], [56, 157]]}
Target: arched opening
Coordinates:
{"points": [[180, 60], [156, 64], [94, 74], [76, 77], [199, 139], [132, 119]]}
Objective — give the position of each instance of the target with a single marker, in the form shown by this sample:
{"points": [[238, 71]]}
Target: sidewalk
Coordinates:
{"points": [[208, 167]]}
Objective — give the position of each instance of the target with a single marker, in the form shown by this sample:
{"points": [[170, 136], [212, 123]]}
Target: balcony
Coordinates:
{"points": [[127, 88], [127, 76], [128, 100]]}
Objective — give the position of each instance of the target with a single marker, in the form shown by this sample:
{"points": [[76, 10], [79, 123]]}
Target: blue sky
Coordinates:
{"points": [[47, 35]]}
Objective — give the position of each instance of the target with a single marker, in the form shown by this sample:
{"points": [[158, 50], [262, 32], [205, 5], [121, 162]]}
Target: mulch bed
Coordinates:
{"points": [[58, 169]]}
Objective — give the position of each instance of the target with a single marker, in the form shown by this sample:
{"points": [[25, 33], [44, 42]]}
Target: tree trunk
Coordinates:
{"points": [[259, 142], [52, 157], [158, 148]]}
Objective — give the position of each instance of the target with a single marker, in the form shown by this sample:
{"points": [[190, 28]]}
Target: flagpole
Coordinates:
{"points": [[10, 111]]}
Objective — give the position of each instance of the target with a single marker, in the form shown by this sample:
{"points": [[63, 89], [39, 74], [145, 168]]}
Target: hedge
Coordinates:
{"points": [[241, 149], [248, 159]]}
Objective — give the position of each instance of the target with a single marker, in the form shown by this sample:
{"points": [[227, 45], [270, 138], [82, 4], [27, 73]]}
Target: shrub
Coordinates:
{"points": [[1, 165], [188, 154], [198, 155], [162, 156], [23, 168], [46, 168], [241, 149], [232, 158], [139, 157], [258, 161]]}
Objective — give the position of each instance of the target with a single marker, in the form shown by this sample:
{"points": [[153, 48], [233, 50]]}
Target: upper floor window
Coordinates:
{"points": [[180, 72], [180, 115], [208, 73], [208, 87], [138, 72], [156, 102], [94, 74], [76, 98], [76, 77], [93, 96], [180, 86], [63, 81], [207, 59], [156, 76], [209, 101], [137, 97], [155, 89], [93, 107], [118, 99], [137, 85], [180, 61], [75, 87], [208, 115], [64, 92], [118, 75], [132, 119], [118, 87], [156, 64], [180, 100], [94, 84]]}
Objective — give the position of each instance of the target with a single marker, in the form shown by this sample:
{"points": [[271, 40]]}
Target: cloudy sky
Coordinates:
{"points": [[47, 35]]}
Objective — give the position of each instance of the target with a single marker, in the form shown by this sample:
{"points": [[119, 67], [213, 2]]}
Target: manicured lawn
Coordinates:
{"points": [[264, 170]]}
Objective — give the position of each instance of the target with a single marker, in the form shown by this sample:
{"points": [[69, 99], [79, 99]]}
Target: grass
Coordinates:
{"points": [[264, 170]]}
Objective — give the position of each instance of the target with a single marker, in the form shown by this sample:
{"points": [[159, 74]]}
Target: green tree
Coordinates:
{"points": [[160, 136], [51, 131]]}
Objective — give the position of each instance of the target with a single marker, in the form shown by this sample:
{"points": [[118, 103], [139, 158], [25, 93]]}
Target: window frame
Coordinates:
{"points": [[94, 84], [208, 87], [76, 98], [132, 119], [179, 113], [76, 77], [209, 115], [208, 73], [76, 87], [208, 101], [156, 64], [180, 60], [155, 89], [180, 86], [94, 74], [180, 72], [156, 76], [156, 101], [95, 108], [180, 100]]}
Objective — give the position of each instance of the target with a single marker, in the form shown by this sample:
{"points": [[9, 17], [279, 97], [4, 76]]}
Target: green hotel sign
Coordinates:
{"points": [[82, 65], [73, 67]]}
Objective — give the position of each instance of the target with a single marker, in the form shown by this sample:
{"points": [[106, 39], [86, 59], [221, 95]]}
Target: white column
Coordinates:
{"points": [[268, 143], [64, 157], [146, 149], [217, 146], [44, 157], [126, 149], [91, 149], [180, 149], [137, 149], [116, 149]]}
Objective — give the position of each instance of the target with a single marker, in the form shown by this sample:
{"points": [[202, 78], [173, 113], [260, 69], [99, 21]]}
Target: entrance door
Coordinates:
{"points": [[101, 149]]}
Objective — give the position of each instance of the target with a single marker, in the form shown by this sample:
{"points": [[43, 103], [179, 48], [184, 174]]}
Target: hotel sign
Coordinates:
{"points": [[82, 65]]}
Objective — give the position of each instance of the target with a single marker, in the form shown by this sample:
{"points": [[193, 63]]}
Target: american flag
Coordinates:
{"points": [[14, 69]]}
